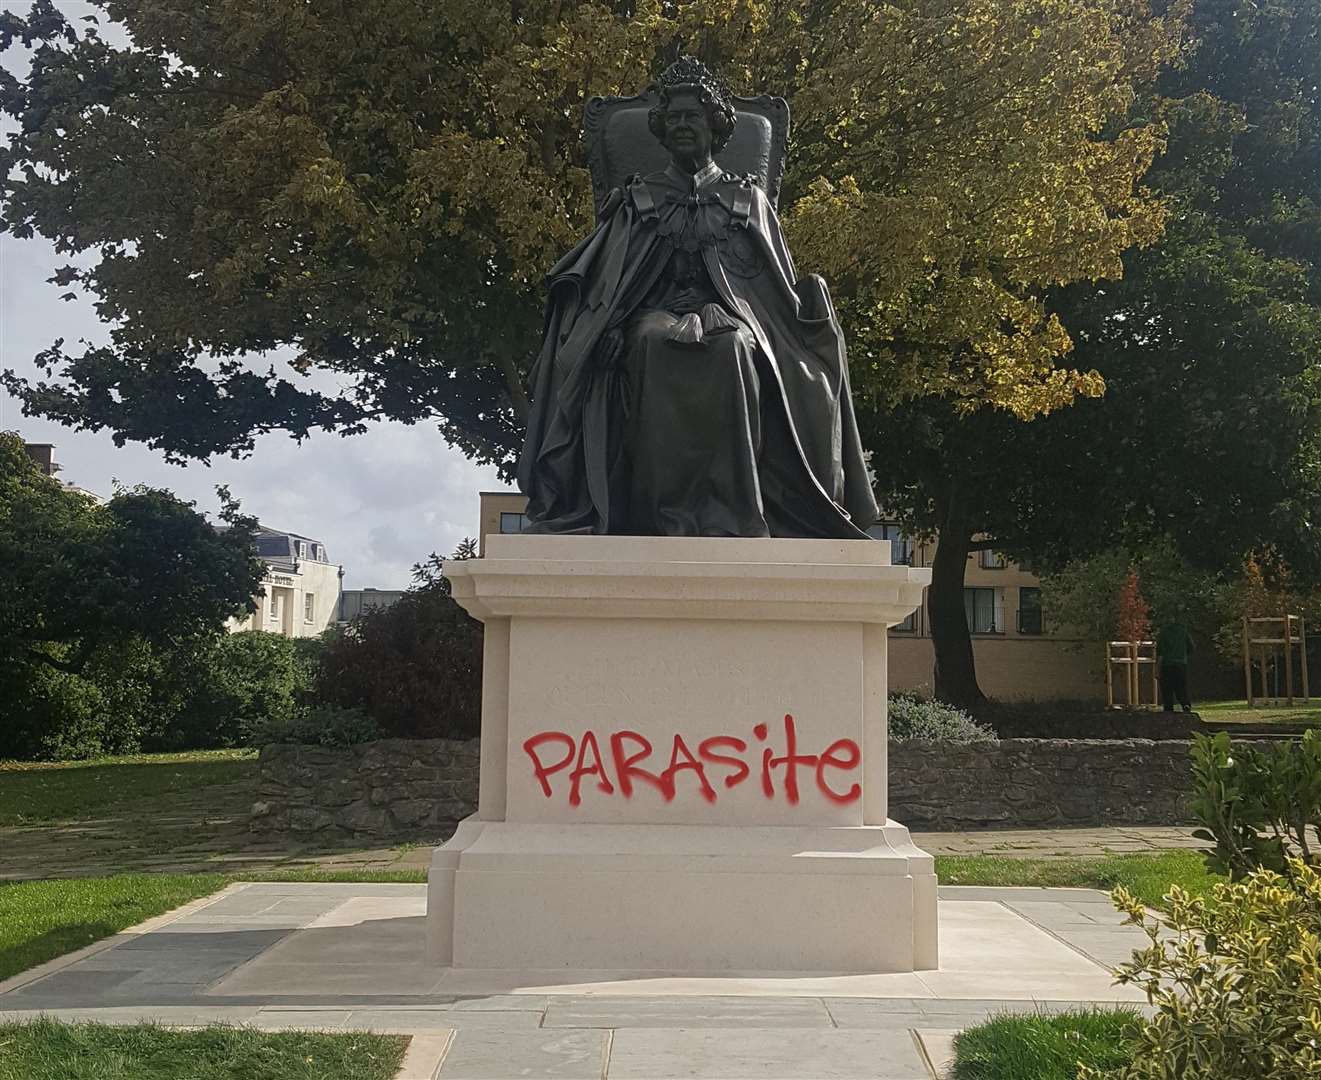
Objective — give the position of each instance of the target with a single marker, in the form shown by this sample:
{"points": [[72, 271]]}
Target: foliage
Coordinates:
{"points": [[1133, 618], [914, 719], [323, 725], [1234, 980], [1189, 442], [102, 604], [259, 175], [414, 668], [46, 1049], [1257, 806], [1043, 1046], [241, 682], [68, 791], [1147, 875], [1085, 596]]}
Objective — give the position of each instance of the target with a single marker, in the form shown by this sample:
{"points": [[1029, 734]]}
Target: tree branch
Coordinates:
{"points": [[514, 385]]}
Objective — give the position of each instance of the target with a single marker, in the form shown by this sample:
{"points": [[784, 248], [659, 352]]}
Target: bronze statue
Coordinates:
{"points": [[689, 384]]}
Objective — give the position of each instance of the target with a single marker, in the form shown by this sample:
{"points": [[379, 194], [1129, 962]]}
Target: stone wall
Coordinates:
{"points": [[1039, 783], [403, 787], [393, 787]]}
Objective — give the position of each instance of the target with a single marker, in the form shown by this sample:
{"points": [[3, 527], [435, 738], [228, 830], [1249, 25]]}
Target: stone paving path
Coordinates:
{"points": [[1059, 843], [347, 956]]}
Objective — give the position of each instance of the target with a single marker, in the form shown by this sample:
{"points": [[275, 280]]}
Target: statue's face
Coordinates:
{"points": [[687, 127]]}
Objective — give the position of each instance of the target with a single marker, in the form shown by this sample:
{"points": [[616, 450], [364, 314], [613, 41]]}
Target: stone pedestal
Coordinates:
{"points": [[683, 762]]}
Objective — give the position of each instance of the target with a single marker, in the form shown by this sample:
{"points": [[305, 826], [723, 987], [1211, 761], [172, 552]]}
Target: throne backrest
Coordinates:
{"points": [[619, 143]]}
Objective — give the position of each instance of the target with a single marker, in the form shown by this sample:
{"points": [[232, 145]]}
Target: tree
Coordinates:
{"points": [[1133, 619], [415, 667], [98, 599], [1209, 345], [379, 189]]}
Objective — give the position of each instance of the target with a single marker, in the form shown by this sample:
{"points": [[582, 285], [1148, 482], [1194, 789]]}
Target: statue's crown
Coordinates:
{"points": [[689, 71]]}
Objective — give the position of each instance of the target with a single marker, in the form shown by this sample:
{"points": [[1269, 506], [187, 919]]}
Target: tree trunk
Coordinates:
{"points": [[956, 672]]}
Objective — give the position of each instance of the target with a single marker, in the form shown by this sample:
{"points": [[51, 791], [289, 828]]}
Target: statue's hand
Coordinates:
{"points": [[610, 349]]}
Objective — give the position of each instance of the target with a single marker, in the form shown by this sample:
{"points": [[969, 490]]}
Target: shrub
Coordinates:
{"points": [[414, 667], [914, 719], [1257, 806], [1234, 981], [54, 715], [236, 685], [324, 725]]}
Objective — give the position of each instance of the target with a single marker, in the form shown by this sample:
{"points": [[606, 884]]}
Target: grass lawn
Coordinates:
{"points": [[1237, 712], [32, 791], [47, 1050], [1145, 876], [1037, 1047]]}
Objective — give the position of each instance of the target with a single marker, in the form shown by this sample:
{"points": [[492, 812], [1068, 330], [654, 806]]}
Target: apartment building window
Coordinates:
{"points": [[512, 523], [908, 626], [309, 606], [1029, 611], [992, 560], [985, 610], [901, 546]]}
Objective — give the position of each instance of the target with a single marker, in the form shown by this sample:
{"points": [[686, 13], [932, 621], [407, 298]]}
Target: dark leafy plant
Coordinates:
{"points": [[415, 667]]}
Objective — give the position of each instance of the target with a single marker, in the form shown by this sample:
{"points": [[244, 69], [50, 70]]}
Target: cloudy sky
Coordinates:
{"points": [[380, 501]]}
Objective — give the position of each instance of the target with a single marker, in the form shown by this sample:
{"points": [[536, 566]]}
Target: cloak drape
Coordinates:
{"points": [[578, 457]]}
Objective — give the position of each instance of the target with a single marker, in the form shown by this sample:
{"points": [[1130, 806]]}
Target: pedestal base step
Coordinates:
{"points": [[682, 899]]}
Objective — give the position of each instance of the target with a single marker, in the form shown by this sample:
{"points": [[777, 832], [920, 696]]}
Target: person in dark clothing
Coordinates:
{"points": [[1173, 646]]}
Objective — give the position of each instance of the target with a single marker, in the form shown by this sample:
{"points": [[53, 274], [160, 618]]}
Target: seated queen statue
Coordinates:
{"points": [[689, 384]]}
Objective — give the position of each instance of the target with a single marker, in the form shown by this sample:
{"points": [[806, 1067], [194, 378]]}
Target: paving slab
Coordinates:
{"points": [[424, 1055], [938, 1048], [500, 1055], [658, 1054], [681, 1012]]}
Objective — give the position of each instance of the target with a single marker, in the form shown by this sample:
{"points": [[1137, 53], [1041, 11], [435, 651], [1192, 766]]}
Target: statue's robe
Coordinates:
{"points": [[749, 432]]}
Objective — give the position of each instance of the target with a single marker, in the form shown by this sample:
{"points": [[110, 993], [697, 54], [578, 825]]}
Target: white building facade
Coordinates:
{"points": [[299, 596]]}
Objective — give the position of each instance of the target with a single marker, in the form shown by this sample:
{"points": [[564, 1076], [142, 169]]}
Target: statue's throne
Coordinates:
{"points": [[619, 143]]}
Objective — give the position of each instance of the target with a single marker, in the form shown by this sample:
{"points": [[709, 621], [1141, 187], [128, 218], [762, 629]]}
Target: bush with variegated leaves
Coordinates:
{"points": [[1235, 980]]}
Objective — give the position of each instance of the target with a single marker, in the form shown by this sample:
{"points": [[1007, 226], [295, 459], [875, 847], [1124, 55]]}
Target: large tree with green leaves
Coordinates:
{"points": [[98, 599], [1209, 433], [376, 189]]}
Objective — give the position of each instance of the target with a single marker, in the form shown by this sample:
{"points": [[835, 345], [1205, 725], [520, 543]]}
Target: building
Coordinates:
{"points": [[1018, 654], [353, 602], [44, 455], [299, 595]]}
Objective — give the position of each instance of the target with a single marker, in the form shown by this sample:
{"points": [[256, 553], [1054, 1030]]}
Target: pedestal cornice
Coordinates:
{"points": [[688, 578]]}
